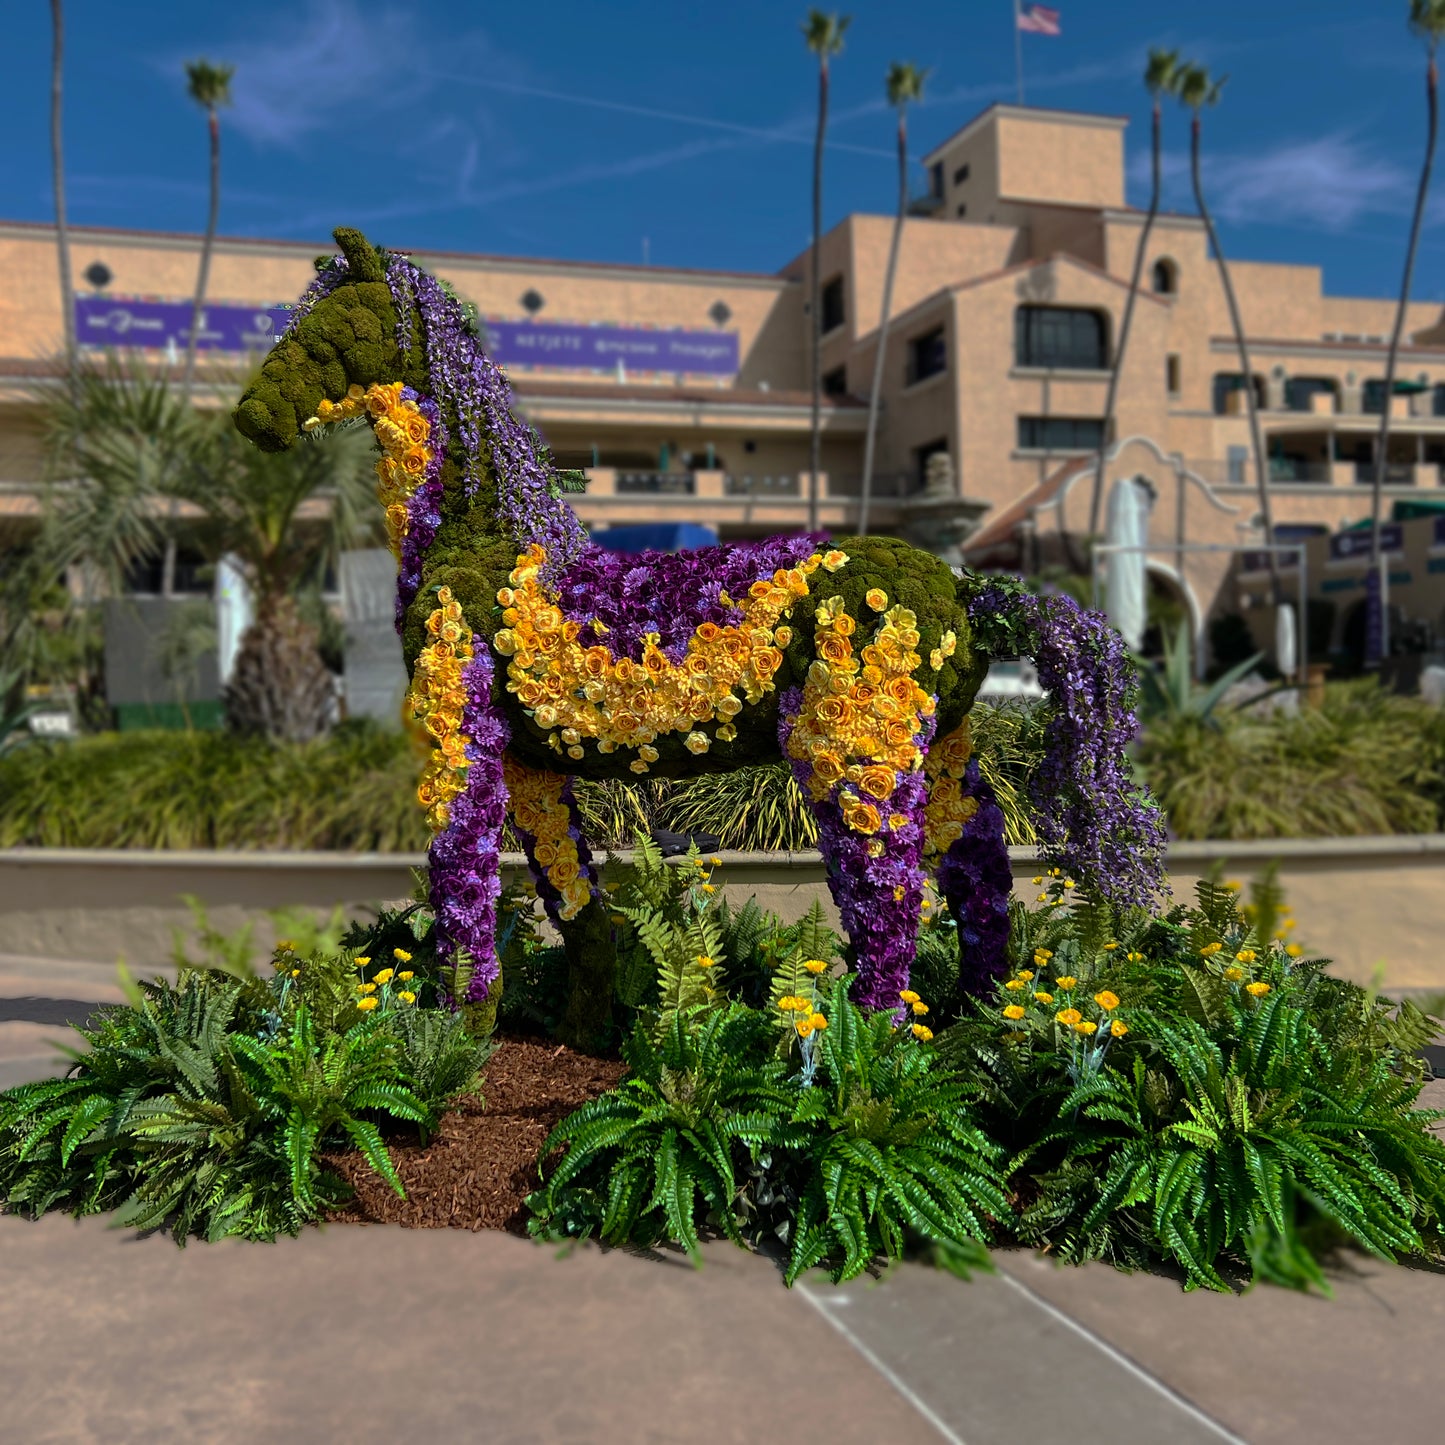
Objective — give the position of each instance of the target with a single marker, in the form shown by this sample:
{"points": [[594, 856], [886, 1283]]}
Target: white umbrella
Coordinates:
{"points": [[1286, 639], [234, 613], [1128, 526]]}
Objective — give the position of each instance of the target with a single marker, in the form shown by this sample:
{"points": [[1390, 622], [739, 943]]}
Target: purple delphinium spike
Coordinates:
{"points": [[975, 878]]}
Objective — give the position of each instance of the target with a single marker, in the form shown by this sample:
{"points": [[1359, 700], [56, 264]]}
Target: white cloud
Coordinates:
{"points": [[1328, 182]]}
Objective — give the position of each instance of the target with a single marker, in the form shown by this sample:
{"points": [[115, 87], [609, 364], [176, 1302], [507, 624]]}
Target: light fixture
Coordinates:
{"points": [[720, 313], [532, 301], [99, 275]]}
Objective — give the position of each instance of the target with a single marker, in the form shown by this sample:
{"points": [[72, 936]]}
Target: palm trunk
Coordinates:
{"points": [[1260, 465], [1122, 342], [57, 161], [1432, 82], [876, 394], [204, 274], [816, 452]]}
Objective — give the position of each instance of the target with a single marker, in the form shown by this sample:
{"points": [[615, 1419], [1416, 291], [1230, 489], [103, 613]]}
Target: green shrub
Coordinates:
{"points": [[205, 1106], [1187, 1088]]}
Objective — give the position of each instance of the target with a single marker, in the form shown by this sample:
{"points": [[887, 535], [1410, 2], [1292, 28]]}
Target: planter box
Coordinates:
{"points": [[1365, 902]]}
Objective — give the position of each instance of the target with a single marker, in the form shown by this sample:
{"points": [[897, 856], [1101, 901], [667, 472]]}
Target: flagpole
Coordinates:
{"points": [[1018, 52]]}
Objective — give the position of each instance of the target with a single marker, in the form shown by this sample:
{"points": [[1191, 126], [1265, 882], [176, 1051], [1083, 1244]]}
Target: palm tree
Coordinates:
{"points": [[210, 87], [57, 164], [137, 450], [1158, 77], [1427, 20], [904, 86], [824, 36], [1196, 89]]}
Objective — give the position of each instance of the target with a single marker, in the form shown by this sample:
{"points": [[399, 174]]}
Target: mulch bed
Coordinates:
{"points": [[481, 1164]]}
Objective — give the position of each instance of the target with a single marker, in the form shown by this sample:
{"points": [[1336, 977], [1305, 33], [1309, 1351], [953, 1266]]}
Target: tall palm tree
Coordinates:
{"points": [[1196, 88], [57, 165], [1158, 77], [1427, 20], [824, 36], [904, 86], [210, 87]]}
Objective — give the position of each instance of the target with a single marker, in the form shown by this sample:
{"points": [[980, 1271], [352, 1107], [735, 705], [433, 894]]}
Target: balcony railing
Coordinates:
{"points": [[1397, 474], [885, 484], [926, 204], [1291, 469], [750, 486], [672, 483]]}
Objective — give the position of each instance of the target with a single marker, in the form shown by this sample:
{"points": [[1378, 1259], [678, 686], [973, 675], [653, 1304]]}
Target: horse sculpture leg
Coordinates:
{"points": [[545, 816], [966, 826]]}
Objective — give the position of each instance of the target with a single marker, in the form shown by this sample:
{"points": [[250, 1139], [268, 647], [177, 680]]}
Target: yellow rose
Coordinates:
{"points": [[863, 819], [877, 782], [832, 561]]}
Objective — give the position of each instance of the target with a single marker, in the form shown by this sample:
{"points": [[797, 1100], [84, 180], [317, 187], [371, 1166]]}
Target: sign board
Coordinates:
{"points": [[600, 348], [117, 321], [1347, 545]]}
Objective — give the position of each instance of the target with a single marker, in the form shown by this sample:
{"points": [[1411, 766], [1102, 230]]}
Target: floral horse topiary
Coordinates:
{"points": [[536, 657]]}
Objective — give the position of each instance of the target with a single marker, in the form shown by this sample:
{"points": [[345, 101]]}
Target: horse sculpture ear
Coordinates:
{"points": [[361, 258]]}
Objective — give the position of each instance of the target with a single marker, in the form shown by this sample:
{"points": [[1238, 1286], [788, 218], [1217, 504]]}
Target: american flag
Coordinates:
{"points": [[1039, 20]]}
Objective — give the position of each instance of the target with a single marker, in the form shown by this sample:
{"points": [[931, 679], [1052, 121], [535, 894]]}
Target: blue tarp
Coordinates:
{"points": [[656, 537]]}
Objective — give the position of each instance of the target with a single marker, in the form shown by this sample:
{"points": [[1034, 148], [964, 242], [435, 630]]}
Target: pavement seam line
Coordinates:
{"points": [[1130, 1366], [887, 1371]]}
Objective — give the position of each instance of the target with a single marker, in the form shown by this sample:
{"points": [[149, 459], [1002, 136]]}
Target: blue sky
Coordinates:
{"points": [[588, 130]]}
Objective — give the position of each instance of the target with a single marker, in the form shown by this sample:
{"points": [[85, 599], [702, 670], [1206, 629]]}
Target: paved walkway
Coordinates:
{"points": [[382, 1334]]}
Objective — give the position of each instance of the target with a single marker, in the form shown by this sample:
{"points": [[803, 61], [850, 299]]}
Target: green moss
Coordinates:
{"points": [[591, 979]]}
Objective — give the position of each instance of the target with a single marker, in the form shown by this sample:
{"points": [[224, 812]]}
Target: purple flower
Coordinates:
{"points": [[879, 897], [975, 877], [1093, 820], [464, 857]]}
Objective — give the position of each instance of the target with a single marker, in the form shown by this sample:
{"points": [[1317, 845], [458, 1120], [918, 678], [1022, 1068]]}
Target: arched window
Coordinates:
{"points": [[1061, 336], [1165, 277]]}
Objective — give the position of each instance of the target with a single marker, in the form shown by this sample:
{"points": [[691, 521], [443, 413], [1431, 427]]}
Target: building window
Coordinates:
{"points": [[1226, 383], [1171, 373], [927, 356], [1060, 336], [935, 180], [1236, 459], [833, 314], [835, 382], [962, 209], [1165, 278], [1374, 397], [961, 174], [1060, 433], [1300, 391]]}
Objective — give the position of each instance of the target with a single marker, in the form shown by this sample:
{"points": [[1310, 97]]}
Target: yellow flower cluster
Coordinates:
{"points": [[436, 699], [947, 809], [535, 798], [402, 433], [861, 712], [581, 693]]}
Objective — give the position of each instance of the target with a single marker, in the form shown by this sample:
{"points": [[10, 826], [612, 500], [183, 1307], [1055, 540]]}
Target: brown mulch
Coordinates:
{"points": [[475, 1172]]}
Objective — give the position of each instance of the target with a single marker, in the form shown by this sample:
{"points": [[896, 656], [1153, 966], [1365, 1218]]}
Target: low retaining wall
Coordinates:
{"points": [[1366, 902]]}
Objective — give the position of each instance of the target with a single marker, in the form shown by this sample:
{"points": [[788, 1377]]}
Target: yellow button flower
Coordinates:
{"points": [[1234, 973], [1014, 985], [367, 1004], [703, 961], [908, 996], [1106, 1000], [401, 955], [1026, 973], [1039, 878], [920, 1007], [1110, 947], [1293, 949], [1066, 981], [1258, 990], [1118, 1028], [804, 1028], [819, 1023], [366, 988], [1085, 1027], [407, 996], [362, 961], [816, 965], [1014, 1011], [1044, 953], [1068, 1017], [385, 976], [922, 1033], [1245, 955], [1134, 957], [405, 975], [1044, 997]]}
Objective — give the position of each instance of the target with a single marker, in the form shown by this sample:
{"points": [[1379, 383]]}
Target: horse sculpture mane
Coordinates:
{"points": [[536, 657]]}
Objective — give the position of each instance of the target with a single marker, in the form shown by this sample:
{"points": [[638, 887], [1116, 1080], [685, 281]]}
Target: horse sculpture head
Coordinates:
{"points": [[345, 334]]}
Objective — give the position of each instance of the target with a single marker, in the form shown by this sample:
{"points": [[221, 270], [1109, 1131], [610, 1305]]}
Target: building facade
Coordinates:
{"points": [[685, 394]]}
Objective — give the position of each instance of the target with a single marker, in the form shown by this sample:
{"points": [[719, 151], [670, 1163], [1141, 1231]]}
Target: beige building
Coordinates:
{"points": [[1011, 284]]}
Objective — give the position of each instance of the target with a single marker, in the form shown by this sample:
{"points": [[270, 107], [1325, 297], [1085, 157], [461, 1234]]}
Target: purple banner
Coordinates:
{"points": [[115, 321], [600, 348]]}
